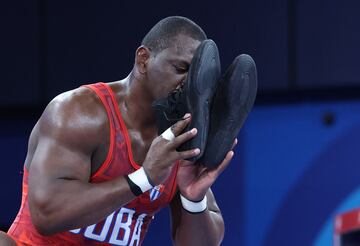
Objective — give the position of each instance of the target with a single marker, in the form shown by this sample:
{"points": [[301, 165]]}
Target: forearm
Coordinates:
{"points": [[201, 228], [75, 204], [206, 228]]}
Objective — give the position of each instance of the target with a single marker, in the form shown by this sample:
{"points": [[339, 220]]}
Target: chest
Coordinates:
{"points": [[140, 145], [137, 147], [120, 161]]}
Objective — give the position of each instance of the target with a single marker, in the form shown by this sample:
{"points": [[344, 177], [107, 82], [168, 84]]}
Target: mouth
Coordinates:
{"points": [[178, 89]]}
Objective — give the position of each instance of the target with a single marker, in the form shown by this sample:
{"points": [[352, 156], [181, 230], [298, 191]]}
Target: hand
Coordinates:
{"points": [[162, 153], [194, 180]]}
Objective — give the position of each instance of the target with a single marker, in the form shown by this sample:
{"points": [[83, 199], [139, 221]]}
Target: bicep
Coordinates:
{"points": [[62, 152], [53, 159], [53, 164]]}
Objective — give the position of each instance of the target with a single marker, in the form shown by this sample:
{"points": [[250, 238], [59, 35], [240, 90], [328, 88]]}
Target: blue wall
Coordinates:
{"points": [[299, 168], [296, 167]]}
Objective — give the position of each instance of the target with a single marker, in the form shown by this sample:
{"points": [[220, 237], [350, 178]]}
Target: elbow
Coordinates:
{"points": [[40, 213], [42, 224], [43, 229]]}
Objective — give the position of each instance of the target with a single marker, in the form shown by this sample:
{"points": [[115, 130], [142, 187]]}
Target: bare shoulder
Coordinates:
{"points": [[74, 116]]}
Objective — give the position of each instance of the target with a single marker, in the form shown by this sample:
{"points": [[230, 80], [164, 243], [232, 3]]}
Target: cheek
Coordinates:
{"points": [[159, 74], [157, 71], [163, 79], [159, 82]]}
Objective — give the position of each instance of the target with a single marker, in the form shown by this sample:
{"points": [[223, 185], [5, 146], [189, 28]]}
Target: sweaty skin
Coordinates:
{"points": [[6, 240], [71, 140]]}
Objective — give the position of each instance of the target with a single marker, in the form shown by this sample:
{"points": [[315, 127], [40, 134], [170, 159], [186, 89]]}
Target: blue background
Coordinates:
{"points": [[296, 164]]}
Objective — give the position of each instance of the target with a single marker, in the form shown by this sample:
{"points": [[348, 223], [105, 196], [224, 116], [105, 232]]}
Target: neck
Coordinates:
{"points": [[137, 104]]}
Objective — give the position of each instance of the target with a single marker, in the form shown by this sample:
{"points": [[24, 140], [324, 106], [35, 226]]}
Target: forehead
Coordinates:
{"points": [[183, 49]]}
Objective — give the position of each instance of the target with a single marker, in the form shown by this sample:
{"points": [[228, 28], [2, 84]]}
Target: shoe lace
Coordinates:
{"points": [[175, 104]]}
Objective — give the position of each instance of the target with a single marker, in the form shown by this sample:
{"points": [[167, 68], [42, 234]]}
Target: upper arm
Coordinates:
{"points": [[65, 138]]}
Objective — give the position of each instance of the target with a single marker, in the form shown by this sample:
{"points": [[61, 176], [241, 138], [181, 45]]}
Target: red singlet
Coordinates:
{"points": [[125, 226]]}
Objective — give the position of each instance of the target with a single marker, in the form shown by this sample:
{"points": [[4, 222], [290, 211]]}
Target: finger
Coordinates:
{"points": [[168, 134], [179, 140], [219, 169], [188, 153], [234, 143], [179, 126]]}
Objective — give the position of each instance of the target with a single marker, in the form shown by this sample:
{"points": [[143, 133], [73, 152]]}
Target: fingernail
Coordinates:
{"points": [[193, 131], [231, 154], [187, 115], [197, 151]]}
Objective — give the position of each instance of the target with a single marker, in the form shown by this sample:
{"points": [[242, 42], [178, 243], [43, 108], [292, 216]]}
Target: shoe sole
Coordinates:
{"points": [[200, 87], [233, 101]]}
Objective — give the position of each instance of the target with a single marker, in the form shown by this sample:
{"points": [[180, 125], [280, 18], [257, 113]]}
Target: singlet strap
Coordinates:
{"points": [[95, 88], [116, 111]]}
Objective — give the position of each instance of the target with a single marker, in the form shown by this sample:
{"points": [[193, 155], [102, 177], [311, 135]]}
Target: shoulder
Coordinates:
{"points": [[76, 115], [77, 108]]}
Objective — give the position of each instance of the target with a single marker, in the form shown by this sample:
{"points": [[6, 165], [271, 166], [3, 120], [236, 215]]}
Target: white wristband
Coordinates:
{"points": [[168, 134], [140, 179], [194, 207]]}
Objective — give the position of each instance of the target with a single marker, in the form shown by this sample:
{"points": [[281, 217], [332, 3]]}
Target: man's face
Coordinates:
{"points": [[168, 69]]}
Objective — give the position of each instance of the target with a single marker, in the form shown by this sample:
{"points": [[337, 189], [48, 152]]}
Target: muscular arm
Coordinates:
{"points": [[61, 151], [206, 228], [60, 195]]}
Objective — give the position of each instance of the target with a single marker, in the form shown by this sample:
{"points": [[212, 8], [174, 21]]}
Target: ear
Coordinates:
{"points": [[142, 57]]}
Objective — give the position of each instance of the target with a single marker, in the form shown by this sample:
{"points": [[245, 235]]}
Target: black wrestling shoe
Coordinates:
{"points": [[233, 101], [194, 97]]}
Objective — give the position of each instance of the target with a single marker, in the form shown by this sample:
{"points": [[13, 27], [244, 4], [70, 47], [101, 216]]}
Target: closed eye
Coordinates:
{"points": [[179, 69]]}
